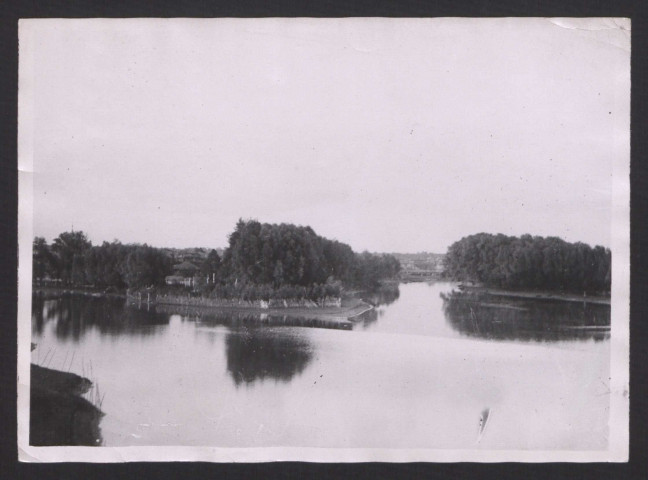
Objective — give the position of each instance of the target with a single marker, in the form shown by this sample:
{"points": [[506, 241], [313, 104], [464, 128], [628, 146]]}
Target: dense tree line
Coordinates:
{"points": [[283, 258], [530, 262], [73, 260]]}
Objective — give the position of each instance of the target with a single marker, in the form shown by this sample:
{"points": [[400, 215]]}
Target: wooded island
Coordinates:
{"points": [[530, 263]]}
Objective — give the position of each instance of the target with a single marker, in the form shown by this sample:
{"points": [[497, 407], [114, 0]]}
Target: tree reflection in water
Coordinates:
{"points": [[38, 313], [379, 297], [383, 295], [257, 353], [500, 318], [77, 314], [258, 346]]}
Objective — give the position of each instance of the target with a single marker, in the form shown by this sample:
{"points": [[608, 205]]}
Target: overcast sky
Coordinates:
{"points": [[388, 135]]}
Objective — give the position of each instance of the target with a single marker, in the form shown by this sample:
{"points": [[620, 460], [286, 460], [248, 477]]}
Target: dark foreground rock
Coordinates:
{"points": [[58, 413]]}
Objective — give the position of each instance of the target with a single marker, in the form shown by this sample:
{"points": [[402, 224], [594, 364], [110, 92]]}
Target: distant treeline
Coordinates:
{"points": [[528, 262], [260, 259]]}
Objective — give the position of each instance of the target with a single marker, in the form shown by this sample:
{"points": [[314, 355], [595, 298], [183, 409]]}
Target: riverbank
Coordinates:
{"points": [[348, 311], [564, 297], [59, 415], [333, 310], [85, 291]]}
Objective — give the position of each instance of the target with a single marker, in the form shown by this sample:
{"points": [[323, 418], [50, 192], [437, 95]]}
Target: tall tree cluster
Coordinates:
{"points": [[530, 262], [72, 259], [287, 254]]}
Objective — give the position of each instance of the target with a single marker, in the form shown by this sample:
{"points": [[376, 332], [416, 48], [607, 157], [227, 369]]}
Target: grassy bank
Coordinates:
{"points": [[59, 415], [540, 295]]}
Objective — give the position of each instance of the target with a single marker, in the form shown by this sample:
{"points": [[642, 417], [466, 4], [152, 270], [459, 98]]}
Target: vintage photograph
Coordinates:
{"points": [[340, 240]]}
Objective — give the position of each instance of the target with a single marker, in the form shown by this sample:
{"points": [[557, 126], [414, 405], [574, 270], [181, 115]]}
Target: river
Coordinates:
{"points": [[425, 369]]}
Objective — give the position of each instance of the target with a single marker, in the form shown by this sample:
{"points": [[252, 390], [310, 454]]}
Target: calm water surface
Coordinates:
{"points": [[418, 371]]}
